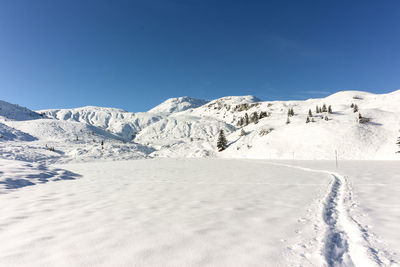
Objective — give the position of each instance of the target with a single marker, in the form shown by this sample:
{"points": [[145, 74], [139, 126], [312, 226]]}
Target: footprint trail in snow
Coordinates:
{"points": [[345, 242]]}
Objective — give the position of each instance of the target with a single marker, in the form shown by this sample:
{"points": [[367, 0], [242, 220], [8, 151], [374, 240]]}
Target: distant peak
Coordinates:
{"points": [[177, 104]]}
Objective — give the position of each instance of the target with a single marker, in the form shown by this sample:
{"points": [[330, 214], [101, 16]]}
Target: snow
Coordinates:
{"points": [[375, 191], [178, 104], [119, 122], [176, 126], [96, 186], [199, 212], [10, 111], [157, 212], [10, 134]]}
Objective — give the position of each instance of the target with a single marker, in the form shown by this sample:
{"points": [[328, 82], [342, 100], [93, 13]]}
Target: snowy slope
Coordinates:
{"points": [[178, 104], [183, 135], [10, 134], [319, 140], [122, 123], [175, 132], [35, 138], [10, 111]]}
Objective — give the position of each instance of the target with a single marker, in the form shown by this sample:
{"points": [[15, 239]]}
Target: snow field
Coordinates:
{"points": [[163, 213]]}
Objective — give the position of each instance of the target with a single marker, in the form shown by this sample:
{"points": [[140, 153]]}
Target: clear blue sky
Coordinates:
{"points": [[134, 54]]}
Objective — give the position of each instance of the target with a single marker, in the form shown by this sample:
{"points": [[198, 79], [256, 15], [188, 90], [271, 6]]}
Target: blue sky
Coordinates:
{"points": [[135, 54]]}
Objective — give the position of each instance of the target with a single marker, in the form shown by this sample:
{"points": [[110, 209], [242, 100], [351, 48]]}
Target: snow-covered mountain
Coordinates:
{"points": [[10, 111], [117, 121], [187, 127], [178, 104]]}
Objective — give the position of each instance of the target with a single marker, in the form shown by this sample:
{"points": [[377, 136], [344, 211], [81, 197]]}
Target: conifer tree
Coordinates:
{"points": [[317, 109], [254, 117], [308, 120], [324, 108], [309, 113], [352, 105], [292, 112], [246, 119], [355, 108], [222, 142], [242, 132], [326, 118], [288, 120], [398, 143], [240, 122], [330, 109], [263, 114]]}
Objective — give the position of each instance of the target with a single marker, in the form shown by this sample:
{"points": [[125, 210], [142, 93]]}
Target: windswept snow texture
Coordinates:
{"points": [[178, 104]]}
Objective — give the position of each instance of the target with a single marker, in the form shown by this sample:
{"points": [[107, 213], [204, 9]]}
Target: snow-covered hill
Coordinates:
{"points": [[120, 122], [30, 136], [10, 111], [186, 127], [10, 134], [178, 104], [341, 130]]}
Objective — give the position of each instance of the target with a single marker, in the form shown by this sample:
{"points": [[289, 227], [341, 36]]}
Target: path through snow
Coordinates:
{"points": [[346, 242]]}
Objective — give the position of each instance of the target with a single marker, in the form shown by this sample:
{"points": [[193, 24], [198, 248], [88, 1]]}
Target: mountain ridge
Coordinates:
{"points": [[191, 129]]}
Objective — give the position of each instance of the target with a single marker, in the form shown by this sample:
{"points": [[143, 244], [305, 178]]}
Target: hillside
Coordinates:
{"points": [[186, 127], [29, 137], [10, 111], [178, 104], [117, 121]]}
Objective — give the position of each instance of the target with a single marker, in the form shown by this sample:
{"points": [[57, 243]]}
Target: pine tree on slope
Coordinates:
{"points": [[254, 117], [222, 143], [246, 119]]}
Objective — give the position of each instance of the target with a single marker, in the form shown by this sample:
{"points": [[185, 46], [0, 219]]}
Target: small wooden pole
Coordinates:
{"points": [[336, 158]]}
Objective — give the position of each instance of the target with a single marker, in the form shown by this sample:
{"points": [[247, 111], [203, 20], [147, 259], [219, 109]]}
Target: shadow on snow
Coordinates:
{"points": [[45, 175]]}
